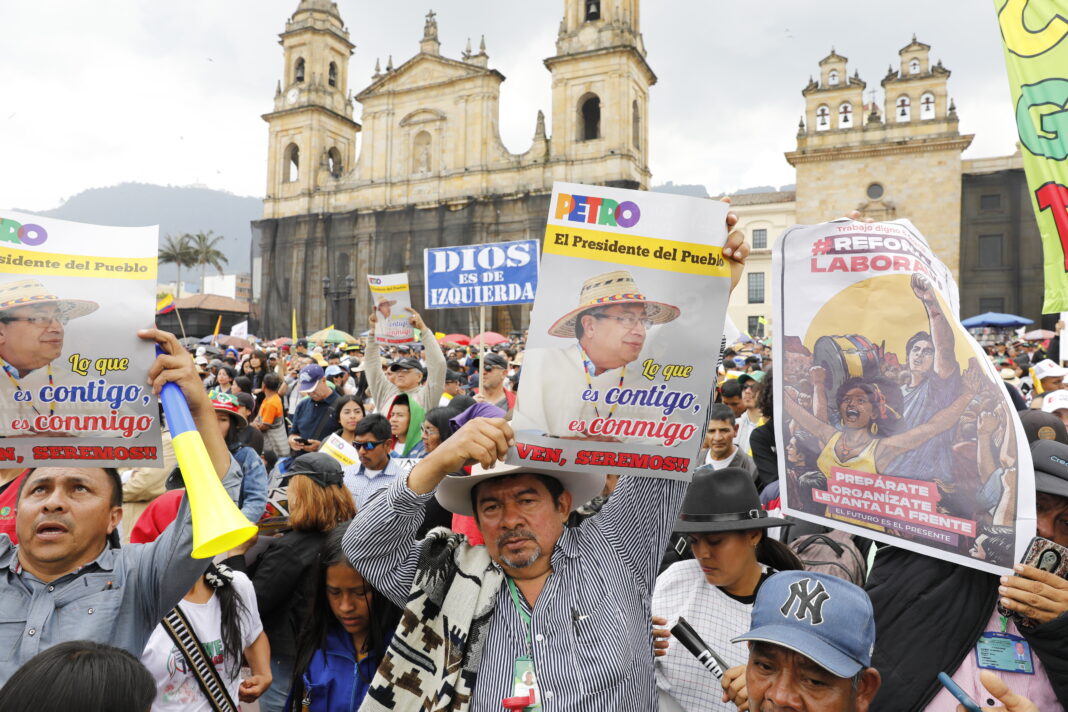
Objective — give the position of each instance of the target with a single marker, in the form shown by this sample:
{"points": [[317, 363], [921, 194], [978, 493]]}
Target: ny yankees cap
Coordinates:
{"points": [[824, 618]]}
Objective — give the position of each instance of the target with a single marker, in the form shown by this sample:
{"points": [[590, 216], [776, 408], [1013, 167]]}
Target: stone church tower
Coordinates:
{"points": [[901, 160], [431, 169]]}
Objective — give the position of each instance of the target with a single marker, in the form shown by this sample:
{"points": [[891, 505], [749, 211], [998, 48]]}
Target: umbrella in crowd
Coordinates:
{"points": [[455, 339], [1038, 335], [995, 319], [331, 336], [226, 340], [490, 338], [282, 341]]}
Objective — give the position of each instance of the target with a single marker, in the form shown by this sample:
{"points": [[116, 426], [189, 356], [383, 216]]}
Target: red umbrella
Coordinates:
{"points": [[283, 341], [491, 338], [458, 339]]}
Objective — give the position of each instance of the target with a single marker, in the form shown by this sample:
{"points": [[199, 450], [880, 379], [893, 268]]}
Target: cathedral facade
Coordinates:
{"points": [[429, 168]]}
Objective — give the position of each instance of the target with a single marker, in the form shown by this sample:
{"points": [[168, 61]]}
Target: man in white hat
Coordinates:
{"points": [[610, 326], [1050, 377], [1057, 403], [32, 322]]}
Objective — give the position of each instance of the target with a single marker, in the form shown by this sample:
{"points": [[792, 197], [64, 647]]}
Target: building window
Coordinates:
{"points": [[990, 202], [875, 191], [992, 304], [990, 252], [903, 111], [927, 106], [832, 77], [332, 75], [333, 159], [593, 10], [845, 115], [421, 153], [823, 118], [291, 166], [636, 118], [760, 239], [914, 66], [755, 328], [756, 287], [298, 71], [590, 117]]}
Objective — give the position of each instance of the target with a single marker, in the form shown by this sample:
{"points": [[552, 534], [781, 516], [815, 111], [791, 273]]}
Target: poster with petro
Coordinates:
{"points": [[391, 302]]}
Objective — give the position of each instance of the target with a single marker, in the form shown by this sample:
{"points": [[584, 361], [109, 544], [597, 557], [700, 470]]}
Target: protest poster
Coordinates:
{"points": [[891, 422], [240, 329], [493, 274], [391, 300], [72, 296], [625, 333]]}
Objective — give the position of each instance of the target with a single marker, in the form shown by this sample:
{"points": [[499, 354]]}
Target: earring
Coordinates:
{"points": [[874, 428]]}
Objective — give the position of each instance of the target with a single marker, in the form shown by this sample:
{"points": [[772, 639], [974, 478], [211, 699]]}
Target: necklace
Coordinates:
{"points": [[15, 382], [590, 369]]}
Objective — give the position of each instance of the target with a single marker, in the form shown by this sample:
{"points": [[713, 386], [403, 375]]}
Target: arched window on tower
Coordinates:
{"points": [[823, 118], [333, 161], [636, 115], [927, 106], [589, 117], [291, 165], [298, 70], [914, 66], [332, 74], [593, 10], [421, 158], [832, 77], [903, 109], [845, 115]]}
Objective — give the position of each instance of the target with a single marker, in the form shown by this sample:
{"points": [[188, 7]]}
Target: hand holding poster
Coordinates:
{"points": [[73, 391], [625, 333], [893, 423], [392, 302]]}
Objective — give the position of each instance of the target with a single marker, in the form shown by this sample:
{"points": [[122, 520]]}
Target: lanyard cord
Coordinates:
{"points": [[15, 382], [523, 615], [590, 369]]}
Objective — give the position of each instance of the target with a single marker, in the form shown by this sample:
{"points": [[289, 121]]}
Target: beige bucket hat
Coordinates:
{"points": [[29, 292], [607, 289]]}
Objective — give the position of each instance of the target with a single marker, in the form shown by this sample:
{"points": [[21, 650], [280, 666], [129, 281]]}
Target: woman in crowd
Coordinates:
{"points": [[257, 370], [344, 639], [406, 420], [224, 379], [762, 439], [284, 574], [253, 497], [348, 412], [436, 427], [715, 591], [220, 611]]}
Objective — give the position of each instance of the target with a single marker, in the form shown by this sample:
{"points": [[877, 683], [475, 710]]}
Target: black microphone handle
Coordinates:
{"points": [[686, 635]]}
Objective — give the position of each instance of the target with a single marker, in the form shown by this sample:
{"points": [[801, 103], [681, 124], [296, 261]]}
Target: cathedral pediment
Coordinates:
{"points": [[425, 70]]}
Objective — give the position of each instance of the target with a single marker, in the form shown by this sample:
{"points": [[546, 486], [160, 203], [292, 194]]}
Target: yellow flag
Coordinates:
{"points": [[214, 336], [294, 326]]}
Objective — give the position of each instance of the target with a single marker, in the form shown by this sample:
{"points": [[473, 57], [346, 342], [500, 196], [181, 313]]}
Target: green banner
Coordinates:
{"points": [[1036, 54]]}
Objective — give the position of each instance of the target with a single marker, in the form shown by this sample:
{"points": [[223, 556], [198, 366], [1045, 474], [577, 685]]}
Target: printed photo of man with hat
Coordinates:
{"points": [[32, 331], [610, 327]]}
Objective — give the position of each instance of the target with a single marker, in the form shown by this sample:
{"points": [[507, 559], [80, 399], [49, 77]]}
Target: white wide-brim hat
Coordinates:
{"points": [[606, 290], [30, 292], [454, 492]]}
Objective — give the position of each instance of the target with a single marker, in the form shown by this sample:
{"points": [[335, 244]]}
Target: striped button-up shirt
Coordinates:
{"points": [[591, 631]]}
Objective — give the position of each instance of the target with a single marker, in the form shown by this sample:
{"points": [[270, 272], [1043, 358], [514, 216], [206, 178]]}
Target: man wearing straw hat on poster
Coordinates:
{"points": [[610, 326], [32, 322]]}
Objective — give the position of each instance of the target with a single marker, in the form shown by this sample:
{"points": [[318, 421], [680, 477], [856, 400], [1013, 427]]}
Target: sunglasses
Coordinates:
{"points": [[370, 445]]}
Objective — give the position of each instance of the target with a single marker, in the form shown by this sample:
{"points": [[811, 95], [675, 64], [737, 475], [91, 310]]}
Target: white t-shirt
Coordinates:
{"points": [[176, 686], [719, 464]]}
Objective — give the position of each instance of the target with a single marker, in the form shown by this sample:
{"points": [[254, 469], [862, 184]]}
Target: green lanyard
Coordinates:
{"points": [[522, 614]]}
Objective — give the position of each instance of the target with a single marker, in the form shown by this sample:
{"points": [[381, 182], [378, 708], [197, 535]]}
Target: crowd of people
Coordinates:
{"points": [[422, 573]]}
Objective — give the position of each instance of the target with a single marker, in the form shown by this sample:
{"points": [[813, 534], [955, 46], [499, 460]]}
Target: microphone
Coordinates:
{"points": [[686, 635]]}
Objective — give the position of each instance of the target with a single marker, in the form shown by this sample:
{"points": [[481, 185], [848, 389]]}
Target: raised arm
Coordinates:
{"points": [[372, 360], [945, 360], [806, 420], [435, 361]]}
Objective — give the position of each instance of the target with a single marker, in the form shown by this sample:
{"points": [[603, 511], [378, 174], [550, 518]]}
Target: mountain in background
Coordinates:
{"points": [[176, 210]]}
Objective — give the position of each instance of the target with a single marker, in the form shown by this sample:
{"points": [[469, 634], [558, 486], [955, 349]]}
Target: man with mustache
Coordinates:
{"points": [[67, 579]]}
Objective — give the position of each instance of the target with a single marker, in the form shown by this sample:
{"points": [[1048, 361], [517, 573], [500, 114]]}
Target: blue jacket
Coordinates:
{"points": [[253, 499], [334, 681]]}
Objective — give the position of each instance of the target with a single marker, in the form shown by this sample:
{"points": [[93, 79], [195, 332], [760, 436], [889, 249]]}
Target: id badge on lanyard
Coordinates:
{"points": [[1004, 652]]}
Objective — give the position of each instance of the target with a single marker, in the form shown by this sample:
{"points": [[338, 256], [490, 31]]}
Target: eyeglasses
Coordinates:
{"points": [[629, 321], [37, 320], [370, 445]]}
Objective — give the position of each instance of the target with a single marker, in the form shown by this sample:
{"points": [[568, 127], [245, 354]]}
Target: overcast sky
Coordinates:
{"points": [[99, 93]]}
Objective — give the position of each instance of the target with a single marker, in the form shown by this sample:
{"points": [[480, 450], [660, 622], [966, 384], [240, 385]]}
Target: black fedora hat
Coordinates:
{"points": [[723, 501]]}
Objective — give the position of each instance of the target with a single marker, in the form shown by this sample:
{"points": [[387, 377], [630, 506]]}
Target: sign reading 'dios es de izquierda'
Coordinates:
{"points": [[481, 275]]}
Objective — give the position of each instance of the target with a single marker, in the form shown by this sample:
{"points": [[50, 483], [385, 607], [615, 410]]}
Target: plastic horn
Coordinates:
{"points": [[218, 525], [686, 635]]}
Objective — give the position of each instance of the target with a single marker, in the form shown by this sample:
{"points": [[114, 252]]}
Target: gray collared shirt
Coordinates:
{"points": [[116, 599]]}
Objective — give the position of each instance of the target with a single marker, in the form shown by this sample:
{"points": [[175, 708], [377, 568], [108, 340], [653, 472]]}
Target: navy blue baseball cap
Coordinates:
{"points": [[825, 618], [309, 377]]}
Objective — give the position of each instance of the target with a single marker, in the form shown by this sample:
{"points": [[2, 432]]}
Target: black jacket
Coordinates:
{"points": [[284, 578], [762, 443], [928, 615]]}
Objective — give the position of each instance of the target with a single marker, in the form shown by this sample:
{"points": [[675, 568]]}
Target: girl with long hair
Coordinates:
{"points": [[348, 412], [344, 639]]}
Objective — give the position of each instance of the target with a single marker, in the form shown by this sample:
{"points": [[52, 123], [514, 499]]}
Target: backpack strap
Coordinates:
{"points": [[207, 677]]}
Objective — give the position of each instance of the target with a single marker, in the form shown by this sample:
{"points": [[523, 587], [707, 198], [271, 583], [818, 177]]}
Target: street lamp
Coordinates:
{"points": [[341, 293]]}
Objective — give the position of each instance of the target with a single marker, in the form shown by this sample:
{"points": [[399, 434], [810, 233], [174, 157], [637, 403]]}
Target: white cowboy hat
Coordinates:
{"points": [[454, 492], [28, 292], [608, 289]]}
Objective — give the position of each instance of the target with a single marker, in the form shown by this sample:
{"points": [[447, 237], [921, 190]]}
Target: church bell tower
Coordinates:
{"points": [[600, 94]]}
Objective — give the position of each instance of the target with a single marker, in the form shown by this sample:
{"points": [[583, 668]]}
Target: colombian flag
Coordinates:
{"points": [[165, 305]]}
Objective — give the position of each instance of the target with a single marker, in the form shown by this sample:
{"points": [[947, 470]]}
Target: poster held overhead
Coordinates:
{"points": [[74, 391], [492, 274], [625, 333], [891, 422], [391, 300]]}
